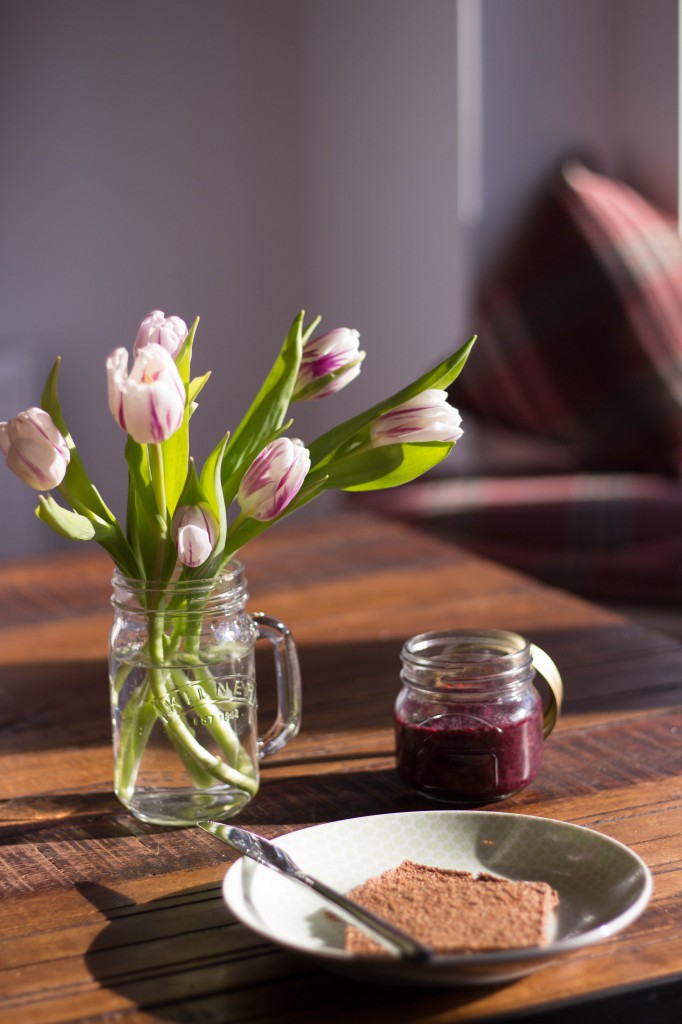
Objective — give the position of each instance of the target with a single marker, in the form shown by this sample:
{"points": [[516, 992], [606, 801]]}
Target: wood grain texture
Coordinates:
{"points": [[105, 918]]}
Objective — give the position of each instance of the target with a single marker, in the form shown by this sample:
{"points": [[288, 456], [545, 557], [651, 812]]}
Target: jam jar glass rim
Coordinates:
{"points": [[456, 657]]}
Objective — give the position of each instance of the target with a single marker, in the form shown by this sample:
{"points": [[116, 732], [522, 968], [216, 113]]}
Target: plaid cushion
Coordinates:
{"points": [[580, 331], [604, 535]]}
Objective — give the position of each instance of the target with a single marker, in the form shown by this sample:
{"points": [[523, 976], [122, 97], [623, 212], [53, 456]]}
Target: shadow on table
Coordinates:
{"points": [[620, 666], [185, 957], [296, 801], [65, 704]]}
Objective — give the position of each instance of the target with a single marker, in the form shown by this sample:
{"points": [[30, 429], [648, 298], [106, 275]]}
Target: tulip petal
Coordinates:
{"points": [[425, 417], [158, 329], [273, 479], [194, 530], [149, 402], [41, 466], [35, 449], [325, 355], [117, 372]]}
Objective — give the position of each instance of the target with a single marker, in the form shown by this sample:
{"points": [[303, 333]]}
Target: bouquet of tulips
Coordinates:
{"points": [[183, 522], [177, 515]]}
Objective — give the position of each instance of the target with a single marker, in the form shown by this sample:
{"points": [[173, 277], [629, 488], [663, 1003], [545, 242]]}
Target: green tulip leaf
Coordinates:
{"points": [[76, 486], [175, 456], [265, 416], [175, 461], [211, 485], [383, 467], [175, 449], [80, 492], [74, 526], [209, 491], [192, 492], [183, 358], [146, 526], [70, 524], [193, 389]]}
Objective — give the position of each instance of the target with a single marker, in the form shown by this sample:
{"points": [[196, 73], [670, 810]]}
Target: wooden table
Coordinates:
{"points": [[104, 918]]}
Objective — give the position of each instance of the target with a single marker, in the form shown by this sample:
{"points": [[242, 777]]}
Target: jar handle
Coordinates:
{"points": [[550, 673], [288, 675]]}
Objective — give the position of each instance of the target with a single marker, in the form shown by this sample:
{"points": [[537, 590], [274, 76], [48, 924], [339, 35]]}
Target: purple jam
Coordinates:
{"points": [[477, 755]]}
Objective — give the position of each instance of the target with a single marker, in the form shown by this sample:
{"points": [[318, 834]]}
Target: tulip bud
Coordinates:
{"points": [[148, 402], [336, 350], [273, 479], [194, 530], [426, 417], [157, 329], [34, 449]]}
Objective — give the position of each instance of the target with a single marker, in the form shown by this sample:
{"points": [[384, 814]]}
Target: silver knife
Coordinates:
{"points": [[272, 856]]}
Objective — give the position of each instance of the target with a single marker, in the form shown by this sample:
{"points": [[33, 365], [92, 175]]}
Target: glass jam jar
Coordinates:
{"points": [[469, 723]]}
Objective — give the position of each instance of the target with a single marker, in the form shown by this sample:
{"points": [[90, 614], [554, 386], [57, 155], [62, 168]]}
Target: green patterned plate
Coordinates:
{"points": [[603, 886]]}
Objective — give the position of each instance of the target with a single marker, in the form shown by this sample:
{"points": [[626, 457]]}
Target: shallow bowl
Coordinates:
{"points": [[602, 885]]}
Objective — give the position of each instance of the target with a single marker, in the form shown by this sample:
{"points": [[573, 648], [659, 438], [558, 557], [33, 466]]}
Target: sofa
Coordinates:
{"points": [[571, 400]]}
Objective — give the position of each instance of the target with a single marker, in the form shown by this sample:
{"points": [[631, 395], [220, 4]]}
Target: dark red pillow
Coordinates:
{"points": [[580, 331]]}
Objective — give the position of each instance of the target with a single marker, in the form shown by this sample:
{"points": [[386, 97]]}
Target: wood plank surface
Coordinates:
{"points": [[106, 918]]}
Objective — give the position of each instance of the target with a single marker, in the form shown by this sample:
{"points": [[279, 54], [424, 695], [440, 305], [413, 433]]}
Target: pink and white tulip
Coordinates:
{"points": [[148, 402], [158, 329], [331, 351], [194, 530], [35, 449], [426, 417], [273, 479]]}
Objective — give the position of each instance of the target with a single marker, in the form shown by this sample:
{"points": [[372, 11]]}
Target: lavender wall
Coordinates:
{"points": [[242, 160], [596, 76], [151, 158]]}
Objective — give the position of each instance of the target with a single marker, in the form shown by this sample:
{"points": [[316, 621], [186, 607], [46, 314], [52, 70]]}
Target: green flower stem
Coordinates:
{"points": [[176, 729], [134, 732], [220, 729], [156, 473], [136, 726], [188, 628], [179, 733], [120, 678], [141, 713], [197, 773]]}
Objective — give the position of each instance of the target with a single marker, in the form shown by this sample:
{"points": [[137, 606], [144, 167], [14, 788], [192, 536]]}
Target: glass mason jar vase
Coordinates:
{"points": [[184, 700], [469, 723]]}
